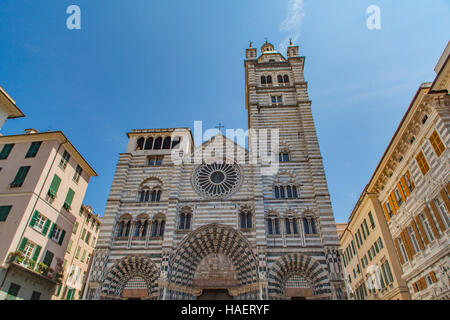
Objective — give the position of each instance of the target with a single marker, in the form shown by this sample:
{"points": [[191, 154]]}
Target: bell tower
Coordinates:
{"points": [[276, 96]]}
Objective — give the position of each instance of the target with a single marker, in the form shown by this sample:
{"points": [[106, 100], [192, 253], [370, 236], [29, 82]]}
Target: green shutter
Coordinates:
{"points": [[54, 186], [4, 211], [47, 224], [59, 290], [23, 244], [48, 258], [61, 238], [69, 198], [52, 229], [32, 151], [34, 218], [36, 252], [5, 151], [20, 176]]}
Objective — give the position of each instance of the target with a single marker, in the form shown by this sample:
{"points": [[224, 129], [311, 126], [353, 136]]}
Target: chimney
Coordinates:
{"points": [[30, 131]]}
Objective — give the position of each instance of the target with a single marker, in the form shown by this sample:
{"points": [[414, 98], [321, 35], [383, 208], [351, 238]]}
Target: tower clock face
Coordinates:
{"points": [[216, 180]]}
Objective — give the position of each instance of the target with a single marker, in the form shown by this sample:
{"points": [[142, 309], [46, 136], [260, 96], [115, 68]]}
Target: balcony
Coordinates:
{"points": [[19, 260]]}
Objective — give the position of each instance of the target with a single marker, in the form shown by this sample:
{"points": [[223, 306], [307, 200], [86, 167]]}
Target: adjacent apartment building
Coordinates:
{"points": [[8, 108], [412, 182], [372, 269], [43, 179], [77, 261]]}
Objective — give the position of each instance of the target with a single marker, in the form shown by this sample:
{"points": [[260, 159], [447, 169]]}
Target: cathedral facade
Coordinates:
{"points": [[187, 222]]}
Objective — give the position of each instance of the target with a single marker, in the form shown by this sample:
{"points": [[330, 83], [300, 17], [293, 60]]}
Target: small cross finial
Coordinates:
{"points": [[220, 127], [250, 43], [290, 41], [266, 39]]}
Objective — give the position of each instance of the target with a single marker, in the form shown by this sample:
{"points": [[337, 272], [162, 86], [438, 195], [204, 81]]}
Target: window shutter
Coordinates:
{"points": [[36, 252], [433, 276], [45, 229], [410, 180], [423, 282], [69, 198], [394, 201], [406, 243], [400, 190], [446, 199], [34, 218], [54, 185], [416, 232], [52, 230], [48, 258], [20, 176], [431, 221], [32, 151], [23, 244], [422, 231], [437, 215], [61, 238], [5, 151], [385, 212], [4, 212], [405, 187]]}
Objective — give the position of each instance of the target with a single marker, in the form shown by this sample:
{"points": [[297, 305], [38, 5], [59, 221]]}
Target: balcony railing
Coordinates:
{"points": [[41, 269]]}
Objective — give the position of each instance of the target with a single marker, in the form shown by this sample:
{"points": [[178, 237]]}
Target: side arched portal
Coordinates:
{"points": [[131, 268], [289, 265], [207, 240]]}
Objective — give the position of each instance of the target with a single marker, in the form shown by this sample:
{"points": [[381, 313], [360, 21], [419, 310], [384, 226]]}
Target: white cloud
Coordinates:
{"points": [[291, 24]]}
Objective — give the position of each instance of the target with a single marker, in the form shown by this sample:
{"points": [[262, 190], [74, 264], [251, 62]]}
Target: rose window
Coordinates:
{"points": [[216, 180]]}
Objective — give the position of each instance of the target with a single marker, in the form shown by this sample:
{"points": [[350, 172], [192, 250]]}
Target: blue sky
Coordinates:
{"points": [[158, 64]]}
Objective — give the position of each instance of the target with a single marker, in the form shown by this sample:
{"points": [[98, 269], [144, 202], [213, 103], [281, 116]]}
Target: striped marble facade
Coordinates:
{"points": [[263, 262]]}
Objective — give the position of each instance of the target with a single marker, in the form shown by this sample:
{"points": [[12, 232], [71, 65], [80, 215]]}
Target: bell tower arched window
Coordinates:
{"points": [[167, 143], [263, 80], [140, 144], [158, 143], [148, 143]]}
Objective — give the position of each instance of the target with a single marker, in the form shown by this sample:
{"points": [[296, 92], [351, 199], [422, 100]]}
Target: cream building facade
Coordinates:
{"points": [[43, 179], [8, 108], [78, 258], [372, 269], [218, 229], [412, 182]]}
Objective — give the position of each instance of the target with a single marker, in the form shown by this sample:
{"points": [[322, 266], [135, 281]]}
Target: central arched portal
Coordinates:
{"points": [[213, 262]]}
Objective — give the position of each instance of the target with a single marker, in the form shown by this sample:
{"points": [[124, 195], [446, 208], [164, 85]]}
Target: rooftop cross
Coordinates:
{"points": [[220, 127], [250, 42]]}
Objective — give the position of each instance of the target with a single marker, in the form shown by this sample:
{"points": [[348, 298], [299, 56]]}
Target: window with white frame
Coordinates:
{"points": [[56, 234], [28, 250], [40, 222], [64, 160], [413, 239], [426, 226], [402, 249], [442, 210]]}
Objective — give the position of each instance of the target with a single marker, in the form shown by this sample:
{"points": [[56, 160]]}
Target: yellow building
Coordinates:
{"points": [[372, 269], [77, 261]]}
